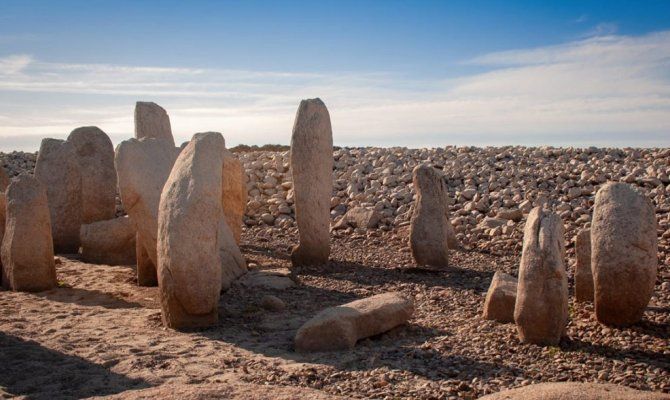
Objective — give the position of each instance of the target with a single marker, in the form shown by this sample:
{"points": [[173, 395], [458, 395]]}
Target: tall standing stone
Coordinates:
{"points": [[143, 167], [624, 247], [27, 246], [429, 232], [3, 219], [58, 170], [541, 310], [312, 173], [95, 154], [152, 121], [234, 193], [583, 276], [189, 220]]}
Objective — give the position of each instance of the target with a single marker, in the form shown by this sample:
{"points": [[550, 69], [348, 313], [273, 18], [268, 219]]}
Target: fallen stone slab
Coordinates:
{"points": [[340, 327], [501, 297], [110, 242], [359, 217], [574, 391]]}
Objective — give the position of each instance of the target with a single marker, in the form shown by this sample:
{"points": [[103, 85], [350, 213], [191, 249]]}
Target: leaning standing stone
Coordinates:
{"points": [[501, 298], [541, 310], [189, 218], [151, 121], [624, 244], [95, 154], [429, 233], [583, 276], [312, 173], [58, 170], [143, 166], [27, 246]]}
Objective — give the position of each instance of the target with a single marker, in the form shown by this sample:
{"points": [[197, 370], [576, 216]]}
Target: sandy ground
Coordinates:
{"points": [[99, 334]]}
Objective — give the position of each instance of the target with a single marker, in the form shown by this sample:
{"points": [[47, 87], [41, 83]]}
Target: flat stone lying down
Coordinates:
{"points": [[574, 391], [340, 327]]}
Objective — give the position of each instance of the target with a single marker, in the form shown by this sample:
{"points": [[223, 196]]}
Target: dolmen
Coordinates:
{"points": [[59, 172], [340, 327], [196, 249], [312, 174], [27, 246], [624, 248], [541, 308], [429, 231]]}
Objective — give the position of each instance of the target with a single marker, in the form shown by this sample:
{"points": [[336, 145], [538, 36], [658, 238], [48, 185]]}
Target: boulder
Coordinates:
{"points": [[429, 232], [359, 217], [514, 214], [340, 327], [4, 179], [312, 175], [541, 310], [190, 225], [59, 172], [583, 276], [234, 193], [501, 297], [624, 247], [110, 242], [95, 154], [490, 223], [575, 391], [27, 247], [143, 166], [151, 121]]}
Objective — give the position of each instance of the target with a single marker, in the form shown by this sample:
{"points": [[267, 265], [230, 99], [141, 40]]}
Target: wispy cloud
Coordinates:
{"points": [[600, 90]]}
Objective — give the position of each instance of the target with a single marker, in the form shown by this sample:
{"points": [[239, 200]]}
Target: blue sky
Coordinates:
{"points": [[410, 73]]}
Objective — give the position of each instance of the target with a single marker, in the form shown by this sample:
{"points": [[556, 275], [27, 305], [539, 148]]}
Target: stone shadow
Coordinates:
{"points": [[656, 359], [86, 297], [36, 372]]}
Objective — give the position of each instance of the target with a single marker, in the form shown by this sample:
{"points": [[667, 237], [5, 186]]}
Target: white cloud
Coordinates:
{"points": [[606, 90], [13, 64]]}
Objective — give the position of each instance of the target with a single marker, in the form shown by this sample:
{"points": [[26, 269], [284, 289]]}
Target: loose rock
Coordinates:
{"points": [[500, 298]]}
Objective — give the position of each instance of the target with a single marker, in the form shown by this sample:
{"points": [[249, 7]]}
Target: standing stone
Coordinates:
{"points": [[624, 244], [583, 276], [27, 246], [143, 166], [58, 170], [312, 173], [541, 311], [189, 222], [95, 154], [151, 121], [234, 193], [501, 298], [4, 179], [110, 242], [3, 218], [428, 227]]}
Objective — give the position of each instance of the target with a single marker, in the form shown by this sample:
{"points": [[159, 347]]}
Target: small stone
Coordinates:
{"points": [[273, 303]]}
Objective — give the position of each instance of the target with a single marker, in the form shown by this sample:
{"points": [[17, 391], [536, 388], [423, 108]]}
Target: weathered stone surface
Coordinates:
{"points": [[428, 228], [359, 217], [575, 391], [234, 193], [95, 154], [190, 220], [27, 246], [312, 172], [624, 247], [501, 297], [340, 327], [267, 279], [143, 167], [58, 170], [541, 311], [110, 242], [583, 276], [3, 219], [151, 121], [4, 179]]}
